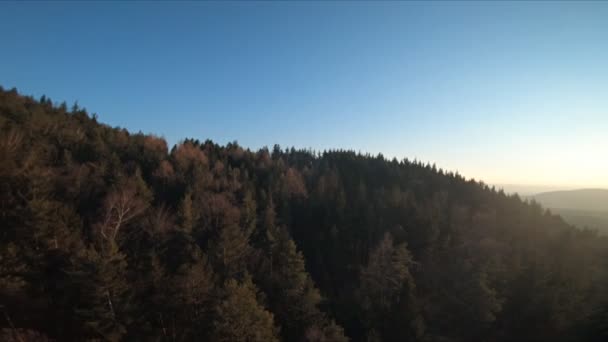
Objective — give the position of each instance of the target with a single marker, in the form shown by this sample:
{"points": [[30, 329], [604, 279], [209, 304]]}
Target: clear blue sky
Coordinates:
{"points": [[505, 92]]}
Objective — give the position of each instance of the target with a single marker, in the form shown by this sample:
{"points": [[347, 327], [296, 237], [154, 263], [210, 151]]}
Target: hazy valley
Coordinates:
{"points": [[583, 208]]}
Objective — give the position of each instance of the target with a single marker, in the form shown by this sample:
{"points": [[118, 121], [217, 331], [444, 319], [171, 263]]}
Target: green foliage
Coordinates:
{"points": [[239, 317], [386, 293], [103, 302], [386, 274]]}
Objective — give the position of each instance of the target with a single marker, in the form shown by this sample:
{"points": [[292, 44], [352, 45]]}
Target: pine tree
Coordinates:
{"points": [[386, 292], [295, 297], [185, 213], [184, 299], [230, 250], [386, 273], [240, 318], [103, 305]]}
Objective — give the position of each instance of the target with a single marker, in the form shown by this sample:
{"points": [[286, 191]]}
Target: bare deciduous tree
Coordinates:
{"points": [[120, 206]]}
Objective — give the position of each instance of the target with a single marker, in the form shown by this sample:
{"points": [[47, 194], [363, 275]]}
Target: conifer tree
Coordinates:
{"points": [[240, 318], [185, 213], [104, 302], [230, 251], [295, 301]]}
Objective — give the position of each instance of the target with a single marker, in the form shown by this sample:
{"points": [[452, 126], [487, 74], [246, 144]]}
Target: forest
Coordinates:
{"points": [[110, 235]]}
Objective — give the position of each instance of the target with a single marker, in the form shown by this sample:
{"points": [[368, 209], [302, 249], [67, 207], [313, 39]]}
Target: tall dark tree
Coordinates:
{"points": [[240, 317]]}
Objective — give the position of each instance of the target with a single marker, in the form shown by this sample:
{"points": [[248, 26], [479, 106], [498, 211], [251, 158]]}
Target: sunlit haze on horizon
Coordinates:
{"points": [[504, 92]]}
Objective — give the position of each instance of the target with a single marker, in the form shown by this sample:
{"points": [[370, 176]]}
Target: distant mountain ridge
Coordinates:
{"points": [[582, 208], [582, 199]]}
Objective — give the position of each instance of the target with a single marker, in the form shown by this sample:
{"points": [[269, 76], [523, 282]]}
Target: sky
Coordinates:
{"points": [[504, 92]]}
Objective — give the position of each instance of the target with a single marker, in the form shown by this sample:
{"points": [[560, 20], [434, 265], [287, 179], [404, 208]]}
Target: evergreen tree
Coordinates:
{"points": [[185, 213], [387, 291], [239, 316], [230, 251], [103, 303]]}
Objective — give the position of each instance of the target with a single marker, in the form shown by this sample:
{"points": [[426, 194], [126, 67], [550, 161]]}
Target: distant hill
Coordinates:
{"points": [[583, 199], [583, 208], [526, 190], [584, 218]]}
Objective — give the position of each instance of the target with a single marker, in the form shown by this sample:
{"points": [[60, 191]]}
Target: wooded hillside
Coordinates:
{"points": [[108, 235]]}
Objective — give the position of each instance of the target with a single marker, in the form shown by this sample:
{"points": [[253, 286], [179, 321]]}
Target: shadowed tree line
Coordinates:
{"points": [[109, 235]]}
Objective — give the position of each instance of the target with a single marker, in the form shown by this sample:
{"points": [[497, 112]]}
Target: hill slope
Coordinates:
{"points": [[582, 208], [108, 235], [583, 199]]}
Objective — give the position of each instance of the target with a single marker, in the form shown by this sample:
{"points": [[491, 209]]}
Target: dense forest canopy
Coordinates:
{"points": [[109, 235]]}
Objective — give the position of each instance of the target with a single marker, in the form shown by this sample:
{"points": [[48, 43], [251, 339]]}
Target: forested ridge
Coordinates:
{"points": [[109, 235]]}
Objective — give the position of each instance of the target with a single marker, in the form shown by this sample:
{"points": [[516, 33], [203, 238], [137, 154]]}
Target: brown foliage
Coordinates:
{"points": [[165, 170], [187, 155], [294, 183], [155, 144]]}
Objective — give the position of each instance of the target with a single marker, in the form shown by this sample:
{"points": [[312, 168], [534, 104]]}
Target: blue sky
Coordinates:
{"points": [[507, 92]]}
